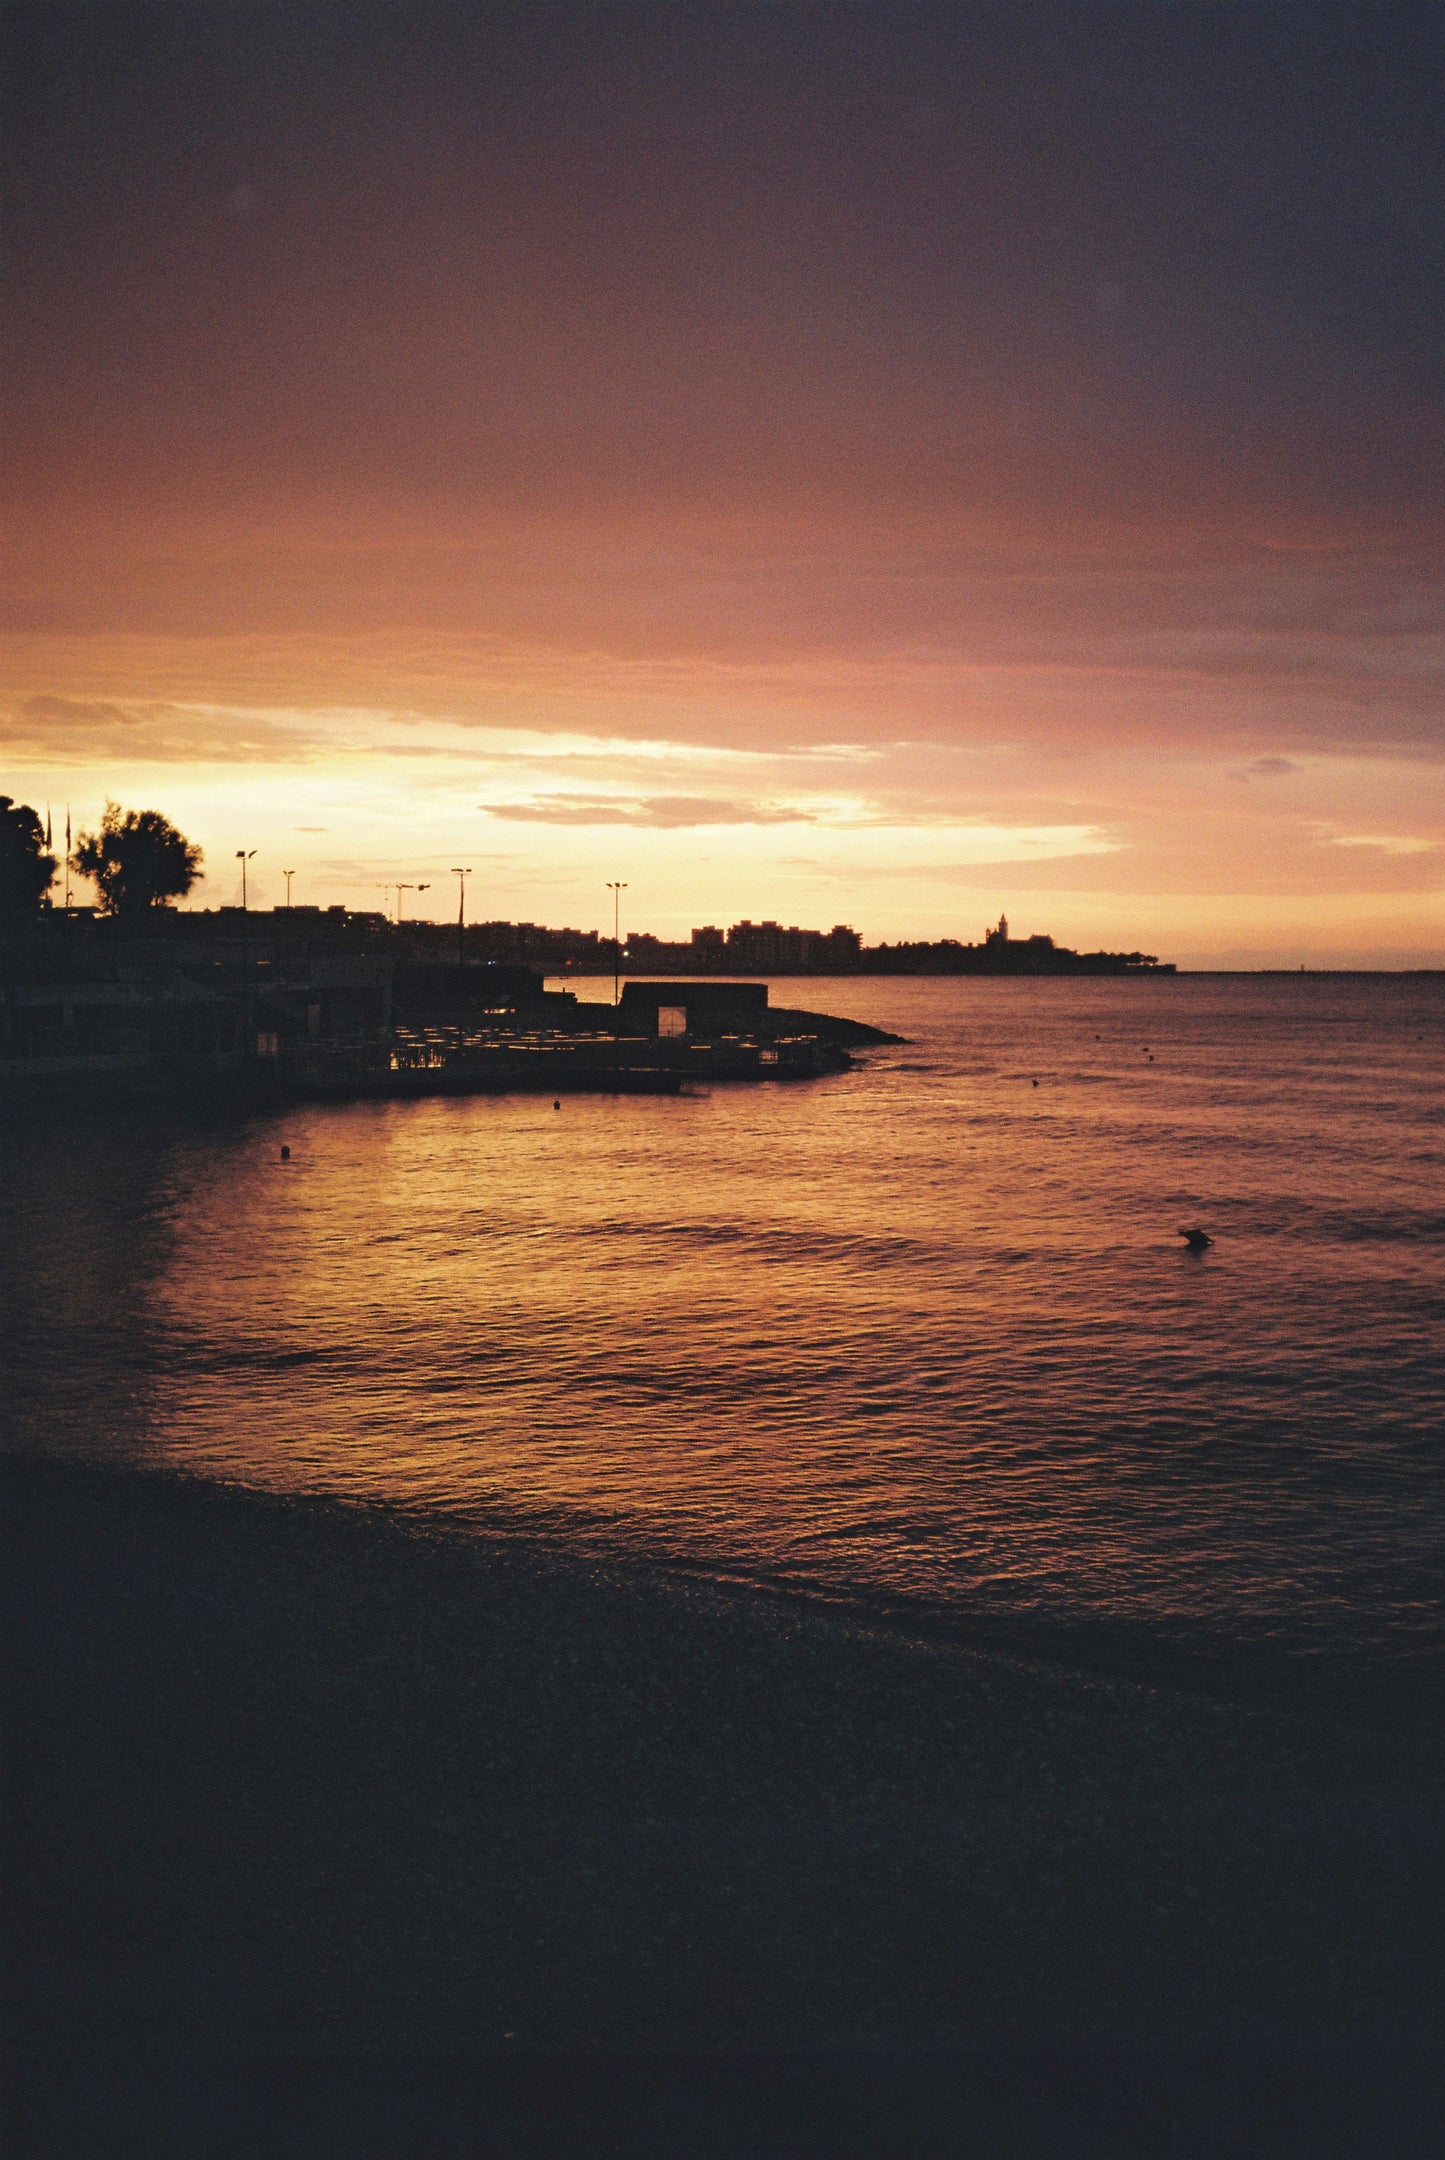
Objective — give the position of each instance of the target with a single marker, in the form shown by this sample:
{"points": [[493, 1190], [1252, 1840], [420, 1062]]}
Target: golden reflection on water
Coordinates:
{"points": [[923, 1331]]}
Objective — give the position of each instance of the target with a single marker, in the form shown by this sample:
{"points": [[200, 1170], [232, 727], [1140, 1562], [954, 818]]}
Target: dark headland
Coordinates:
{"points": [[328, 1834]]}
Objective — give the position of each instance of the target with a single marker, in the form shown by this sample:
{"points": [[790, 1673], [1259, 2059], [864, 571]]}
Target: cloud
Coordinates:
{"points": [[664, 812], [79, 731], [70, 713], [1268, 768], [738, 643], [1388, 843]]}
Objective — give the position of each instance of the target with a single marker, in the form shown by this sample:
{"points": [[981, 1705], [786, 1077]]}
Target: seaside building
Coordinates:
{"points": [[769, 948], [766, 948], [693, 1008], [93, 1010], [53, 1034]]}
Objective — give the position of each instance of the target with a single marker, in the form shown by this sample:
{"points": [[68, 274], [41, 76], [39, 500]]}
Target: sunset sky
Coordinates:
{"points": [[879, 464]]}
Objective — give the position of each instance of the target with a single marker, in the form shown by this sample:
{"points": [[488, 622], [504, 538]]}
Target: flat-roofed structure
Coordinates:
{"points": [[726, 1008]]}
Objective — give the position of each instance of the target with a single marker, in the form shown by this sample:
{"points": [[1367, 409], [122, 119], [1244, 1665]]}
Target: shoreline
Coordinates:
{"points": [[289, 1780], [1359, 1689]]}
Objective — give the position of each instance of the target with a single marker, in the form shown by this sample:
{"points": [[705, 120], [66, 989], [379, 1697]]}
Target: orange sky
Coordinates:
{"points": [[878, 468]]}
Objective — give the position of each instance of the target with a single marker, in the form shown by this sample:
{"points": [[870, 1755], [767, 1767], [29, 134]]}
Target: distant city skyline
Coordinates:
{"points": [[1116, 926]]}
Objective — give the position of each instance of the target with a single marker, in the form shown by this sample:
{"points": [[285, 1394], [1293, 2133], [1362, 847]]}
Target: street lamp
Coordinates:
{"points": [[288, 875], [243, 856], [617, 887], [461, 876]]}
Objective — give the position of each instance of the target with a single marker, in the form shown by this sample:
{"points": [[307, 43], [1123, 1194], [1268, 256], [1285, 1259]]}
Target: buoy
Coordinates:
{"points": [[285, 1154], [1035, 1083], [556, 1106]]}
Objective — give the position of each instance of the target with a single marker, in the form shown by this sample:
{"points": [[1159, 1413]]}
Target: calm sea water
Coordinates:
{"points": [[919, 1336]]}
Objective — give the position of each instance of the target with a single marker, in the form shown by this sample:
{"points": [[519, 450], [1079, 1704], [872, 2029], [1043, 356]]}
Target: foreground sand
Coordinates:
{"points": [[293, 1783]]}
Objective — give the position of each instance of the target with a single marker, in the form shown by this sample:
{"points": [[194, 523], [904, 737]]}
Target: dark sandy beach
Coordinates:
{"points": [[317, 1821]]}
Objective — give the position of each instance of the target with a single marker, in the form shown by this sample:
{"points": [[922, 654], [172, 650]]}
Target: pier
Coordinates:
{"points": [[99, 1021]]}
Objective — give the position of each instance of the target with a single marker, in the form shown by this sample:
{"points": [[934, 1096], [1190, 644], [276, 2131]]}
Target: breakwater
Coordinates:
{"points": [[326, 1032]]}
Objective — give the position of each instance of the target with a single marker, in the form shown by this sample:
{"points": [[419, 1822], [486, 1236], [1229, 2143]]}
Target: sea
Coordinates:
{"points": [[921, 1341]]}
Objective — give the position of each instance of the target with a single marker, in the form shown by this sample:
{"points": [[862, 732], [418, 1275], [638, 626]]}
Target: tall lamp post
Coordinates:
{"points": [[248, 1009], [288, 875], [617, 887], [461, 877]]}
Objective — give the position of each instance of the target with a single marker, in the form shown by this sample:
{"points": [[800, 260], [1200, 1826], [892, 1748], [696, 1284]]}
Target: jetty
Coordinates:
{"points": [[95, 1020]]}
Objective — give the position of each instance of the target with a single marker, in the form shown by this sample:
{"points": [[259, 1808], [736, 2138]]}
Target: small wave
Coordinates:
{"points": [[768, 1242]]}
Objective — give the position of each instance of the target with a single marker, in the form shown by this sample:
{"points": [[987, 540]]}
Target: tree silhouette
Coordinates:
{"points": [[137, 860], [26, 868]]}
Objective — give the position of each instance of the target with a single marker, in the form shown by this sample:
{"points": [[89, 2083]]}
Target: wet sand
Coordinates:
{"points": [[309, 1810]]}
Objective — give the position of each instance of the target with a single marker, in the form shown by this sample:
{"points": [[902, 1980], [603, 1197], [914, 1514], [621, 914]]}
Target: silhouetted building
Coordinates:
{"points": [[656, 956], [56, 1030], [725, 1008], [769, 947]]}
